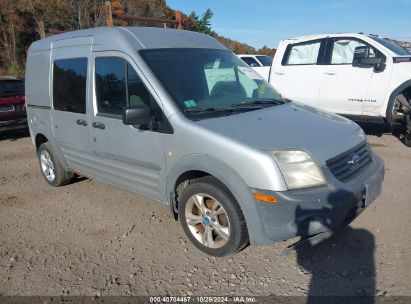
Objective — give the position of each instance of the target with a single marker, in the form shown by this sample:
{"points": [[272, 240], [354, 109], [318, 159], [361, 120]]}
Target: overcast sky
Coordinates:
{"points": [[266, 22]]}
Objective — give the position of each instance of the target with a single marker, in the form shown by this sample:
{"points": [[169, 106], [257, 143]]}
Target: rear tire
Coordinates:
{"points": [[51, 168], [212, 218]]}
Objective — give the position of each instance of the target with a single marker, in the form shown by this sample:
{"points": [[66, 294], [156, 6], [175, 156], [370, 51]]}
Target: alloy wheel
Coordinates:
{"points": [[207, 220], [47, 166]]}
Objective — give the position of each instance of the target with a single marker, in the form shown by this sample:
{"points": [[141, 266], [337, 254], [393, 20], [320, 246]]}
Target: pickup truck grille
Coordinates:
{"points": [[350, 163]]}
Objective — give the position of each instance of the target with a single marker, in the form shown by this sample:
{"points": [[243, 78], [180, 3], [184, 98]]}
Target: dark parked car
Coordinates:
{"points": [[12, 104]]}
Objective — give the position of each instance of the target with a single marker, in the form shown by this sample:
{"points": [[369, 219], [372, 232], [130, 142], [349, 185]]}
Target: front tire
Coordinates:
{"points": [[212, 218], [400, 115], [392, 118], [51, 168]]}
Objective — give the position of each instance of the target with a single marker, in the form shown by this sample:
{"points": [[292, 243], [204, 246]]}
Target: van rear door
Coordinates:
{"points": [[69, 113]]}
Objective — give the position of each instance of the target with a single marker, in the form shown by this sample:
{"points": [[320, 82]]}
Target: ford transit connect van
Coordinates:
{"points": [[175, 117]]}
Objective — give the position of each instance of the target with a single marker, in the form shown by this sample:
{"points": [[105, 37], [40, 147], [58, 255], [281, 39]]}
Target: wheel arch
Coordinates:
{"points": [[400, 89], [39, 140], [199, 165], [41, 137]]}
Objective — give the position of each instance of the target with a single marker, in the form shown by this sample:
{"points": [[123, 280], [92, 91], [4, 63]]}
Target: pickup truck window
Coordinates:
{"points": [[391, 46], [69, 85], [343, 51], [210, 80], [302, 53], [117, 86]]}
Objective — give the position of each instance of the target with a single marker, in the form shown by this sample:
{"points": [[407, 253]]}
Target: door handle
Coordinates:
{"points": [[280, 73], [330, 73], [81, 122], [98, 125]]}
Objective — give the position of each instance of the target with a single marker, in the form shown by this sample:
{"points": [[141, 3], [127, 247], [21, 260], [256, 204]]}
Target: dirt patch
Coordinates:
{"points": [[89, 238]]}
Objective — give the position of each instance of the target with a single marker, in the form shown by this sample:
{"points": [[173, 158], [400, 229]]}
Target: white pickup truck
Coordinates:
{"points": [[260, 63], [362, 77]]}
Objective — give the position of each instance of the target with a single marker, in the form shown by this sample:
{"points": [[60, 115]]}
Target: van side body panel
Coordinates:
{"points": [[37, 79], [38, 97], [40, 123]]}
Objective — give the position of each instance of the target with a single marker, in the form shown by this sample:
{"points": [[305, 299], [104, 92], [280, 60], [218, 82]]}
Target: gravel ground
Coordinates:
{"points": [[88, 238]]}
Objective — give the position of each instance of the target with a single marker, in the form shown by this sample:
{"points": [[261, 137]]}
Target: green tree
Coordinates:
{"points": [[203, 24]]}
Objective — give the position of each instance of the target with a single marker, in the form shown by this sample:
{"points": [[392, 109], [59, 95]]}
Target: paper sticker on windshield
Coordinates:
{"points": [[190, 103], [250, 73]]}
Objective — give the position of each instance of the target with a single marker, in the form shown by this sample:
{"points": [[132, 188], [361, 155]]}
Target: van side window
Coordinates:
{"points": [[137, 91], [69, 85], [118, 86], [343, 51], [111, 90], [302, 53]]}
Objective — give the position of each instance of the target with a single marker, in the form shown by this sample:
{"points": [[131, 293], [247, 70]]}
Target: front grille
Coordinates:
{"points": [[342, 165]]}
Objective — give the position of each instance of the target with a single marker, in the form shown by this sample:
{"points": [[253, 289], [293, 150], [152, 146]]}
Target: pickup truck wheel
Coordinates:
{"points": [[401, 113], [392, 116], [396, 115], [211, 218], [53, 171]]}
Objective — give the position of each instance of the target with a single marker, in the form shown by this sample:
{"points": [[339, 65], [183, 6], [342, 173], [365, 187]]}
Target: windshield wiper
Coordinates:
{"points": [[254, 105], [258, 103], [209, 109]]}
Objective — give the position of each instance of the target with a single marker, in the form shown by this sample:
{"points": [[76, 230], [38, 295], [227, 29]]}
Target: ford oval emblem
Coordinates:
{"points": [[354, 161]]}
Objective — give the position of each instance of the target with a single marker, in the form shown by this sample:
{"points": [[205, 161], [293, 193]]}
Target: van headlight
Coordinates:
{"points": [[298, 168]]}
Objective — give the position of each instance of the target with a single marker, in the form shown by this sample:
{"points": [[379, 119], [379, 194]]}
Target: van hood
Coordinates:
{"points": [[290, 126]]}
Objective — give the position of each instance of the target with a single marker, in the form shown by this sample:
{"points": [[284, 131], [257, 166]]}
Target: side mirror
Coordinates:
{"points": [[137, 115], [361, 52], [361, 59]]}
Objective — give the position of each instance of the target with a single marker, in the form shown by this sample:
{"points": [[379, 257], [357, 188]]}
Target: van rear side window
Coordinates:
{"points": [[69, 85]]}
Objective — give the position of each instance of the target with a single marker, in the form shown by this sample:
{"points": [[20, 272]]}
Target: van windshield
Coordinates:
{"points": [[209, 81]]}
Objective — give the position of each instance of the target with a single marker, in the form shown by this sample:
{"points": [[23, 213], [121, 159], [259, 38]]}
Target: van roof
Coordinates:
{"points": [[114, 38]]}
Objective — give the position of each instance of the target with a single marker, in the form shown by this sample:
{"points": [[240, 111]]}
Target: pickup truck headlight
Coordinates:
{"points": [[298, 168]]}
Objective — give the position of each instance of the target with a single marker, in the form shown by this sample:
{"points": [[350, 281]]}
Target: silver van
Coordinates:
{"points": [[177, 118]]}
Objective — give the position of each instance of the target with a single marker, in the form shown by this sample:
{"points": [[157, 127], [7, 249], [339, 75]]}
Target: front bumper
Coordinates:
{"points": [[13, 124], [326, 208]]}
